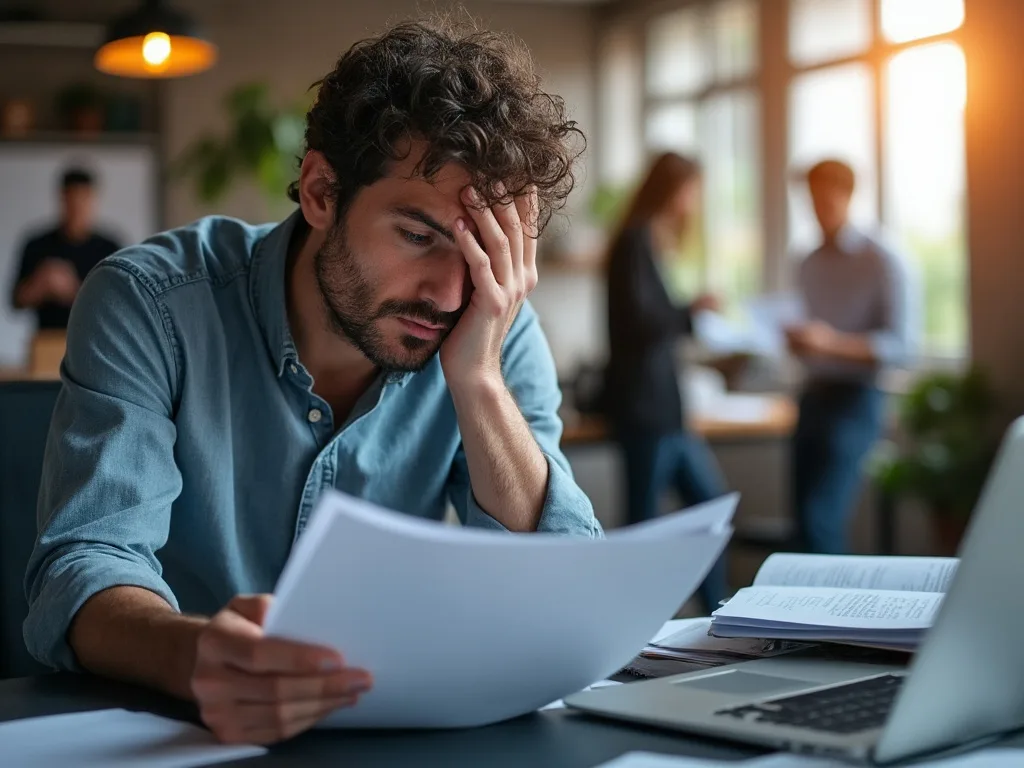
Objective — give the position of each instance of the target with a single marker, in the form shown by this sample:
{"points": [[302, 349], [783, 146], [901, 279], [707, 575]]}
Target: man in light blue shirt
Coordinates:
{"points": [[220, 376], [862, 318]]}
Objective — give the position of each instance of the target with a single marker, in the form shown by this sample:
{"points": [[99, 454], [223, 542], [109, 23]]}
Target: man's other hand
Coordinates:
{"points": [[814, 339], [60, 281], [254, 689]]}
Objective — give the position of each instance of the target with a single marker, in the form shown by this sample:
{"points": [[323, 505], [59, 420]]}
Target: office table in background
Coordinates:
{"points": [[552, 738], [777, 422]]}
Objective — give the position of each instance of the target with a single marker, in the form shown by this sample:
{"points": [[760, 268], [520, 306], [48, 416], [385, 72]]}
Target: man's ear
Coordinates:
{"points": [[315, 177]]}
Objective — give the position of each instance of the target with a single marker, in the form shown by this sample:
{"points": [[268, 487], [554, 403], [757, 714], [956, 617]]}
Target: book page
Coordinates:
{"points": [[826, 607], [903, 574]]}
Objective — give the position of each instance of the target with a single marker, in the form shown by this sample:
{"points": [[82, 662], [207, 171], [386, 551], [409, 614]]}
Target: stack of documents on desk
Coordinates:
{"points": [[462, 627], [686, 645], [883, 602]]}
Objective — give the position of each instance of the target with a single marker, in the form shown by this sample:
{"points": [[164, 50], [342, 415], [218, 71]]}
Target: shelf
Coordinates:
{"points": [[50, 34], [69, 137]]}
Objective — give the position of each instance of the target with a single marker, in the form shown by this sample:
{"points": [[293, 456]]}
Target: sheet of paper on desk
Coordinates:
{"points": [[983, 758], [462, 627], [986, 758], [112, 738]]}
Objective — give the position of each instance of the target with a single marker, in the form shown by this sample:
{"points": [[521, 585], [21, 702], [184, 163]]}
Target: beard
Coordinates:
{"points": [[348, 301]]}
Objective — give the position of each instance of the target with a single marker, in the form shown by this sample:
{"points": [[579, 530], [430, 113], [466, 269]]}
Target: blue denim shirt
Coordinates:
{"points": [[187, 448]]}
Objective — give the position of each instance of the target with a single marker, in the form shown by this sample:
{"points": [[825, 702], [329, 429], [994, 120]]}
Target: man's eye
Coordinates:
{"points": [[415, 238]]}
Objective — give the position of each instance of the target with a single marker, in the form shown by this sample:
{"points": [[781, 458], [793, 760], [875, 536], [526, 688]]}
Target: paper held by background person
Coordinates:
{"points": [[462, 627], [760, 331], [880, 601]]}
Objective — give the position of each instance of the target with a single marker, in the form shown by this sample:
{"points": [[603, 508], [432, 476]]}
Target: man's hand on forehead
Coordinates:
{"points": [[499, 243]]}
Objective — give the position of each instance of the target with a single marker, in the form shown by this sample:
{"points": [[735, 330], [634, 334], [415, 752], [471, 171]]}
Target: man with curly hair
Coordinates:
{"points": [[218, 377]]}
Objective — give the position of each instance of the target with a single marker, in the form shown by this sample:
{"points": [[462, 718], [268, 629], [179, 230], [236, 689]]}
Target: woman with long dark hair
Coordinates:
{"points": [[642, 392]]}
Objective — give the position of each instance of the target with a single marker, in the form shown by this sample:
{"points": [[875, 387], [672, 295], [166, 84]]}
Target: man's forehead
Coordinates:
{"points": [[404, 187]]}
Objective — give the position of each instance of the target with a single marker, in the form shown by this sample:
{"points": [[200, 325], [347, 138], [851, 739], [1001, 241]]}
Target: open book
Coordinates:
{"points": [[886, 602]]}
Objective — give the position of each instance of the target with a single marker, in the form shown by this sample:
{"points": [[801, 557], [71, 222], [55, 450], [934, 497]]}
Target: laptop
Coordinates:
{"points": [[965, 683]]}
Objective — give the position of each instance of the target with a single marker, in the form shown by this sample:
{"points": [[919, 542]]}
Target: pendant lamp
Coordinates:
{"points": [[154, 41]]}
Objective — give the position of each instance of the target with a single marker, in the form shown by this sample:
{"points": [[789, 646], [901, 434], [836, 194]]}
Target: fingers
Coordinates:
{"points": [[213, 685], [252, 607], [480, 270], [268, 723], [234, 641], [529, 215], [256, 689], [499, 238]]}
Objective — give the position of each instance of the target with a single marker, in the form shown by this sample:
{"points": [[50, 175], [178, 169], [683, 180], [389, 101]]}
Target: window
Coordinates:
{"points": [[831, 114], [823, 30], [890, 102], [924, 182], [877, 83], [702, 100]]}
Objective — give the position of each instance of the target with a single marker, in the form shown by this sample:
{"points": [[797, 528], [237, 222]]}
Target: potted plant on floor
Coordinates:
{"points": [[946, 446]]}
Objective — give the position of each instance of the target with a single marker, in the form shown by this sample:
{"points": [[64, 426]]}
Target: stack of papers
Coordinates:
{"points": [[691, 640], [882, 602], [462, 627], [686, 645]]}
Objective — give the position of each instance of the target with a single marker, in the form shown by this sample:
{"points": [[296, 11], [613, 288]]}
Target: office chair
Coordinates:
{"points": [[25, 410]]}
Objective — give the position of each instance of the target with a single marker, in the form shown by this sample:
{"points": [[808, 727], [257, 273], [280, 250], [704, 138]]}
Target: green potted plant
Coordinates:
{"points": [[946, 448], [262, 141]]}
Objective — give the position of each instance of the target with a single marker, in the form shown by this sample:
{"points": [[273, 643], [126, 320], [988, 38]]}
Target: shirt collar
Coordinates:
{"points": [[848, 240], [267, 293]]}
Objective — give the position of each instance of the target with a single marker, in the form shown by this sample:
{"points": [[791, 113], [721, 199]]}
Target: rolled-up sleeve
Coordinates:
{"points": [[530, 375], [895, 343], [109, 474]]}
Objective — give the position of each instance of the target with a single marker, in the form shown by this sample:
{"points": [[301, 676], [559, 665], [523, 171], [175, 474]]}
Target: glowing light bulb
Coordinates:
{"points": [[156, 47]]}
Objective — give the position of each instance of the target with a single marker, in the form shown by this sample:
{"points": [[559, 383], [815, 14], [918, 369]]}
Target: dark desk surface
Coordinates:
{"points": [[555, 738]]}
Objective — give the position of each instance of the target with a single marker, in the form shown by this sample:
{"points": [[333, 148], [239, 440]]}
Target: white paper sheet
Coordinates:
{"points": [[905, 574], [736, 408], [695, 637], [982, 758], [719, 335], [770, 315], [986, 758], [654, 760], [828, 607], [112, 738], [463, 627]]}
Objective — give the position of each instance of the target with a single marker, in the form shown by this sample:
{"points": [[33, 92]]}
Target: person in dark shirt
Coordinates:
{"points": [[642, 393], [54, 263]]}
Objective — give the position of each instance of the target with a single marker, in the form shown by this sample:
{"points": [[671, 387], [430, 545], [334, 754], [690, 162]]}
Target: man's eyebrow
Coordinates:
{"points": [[418, 215]]}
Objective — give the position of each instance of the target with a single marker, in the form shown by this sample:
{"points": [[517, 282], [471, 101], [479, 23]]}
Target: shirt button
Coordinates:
{"points": [[314, 415], [293, 368]]}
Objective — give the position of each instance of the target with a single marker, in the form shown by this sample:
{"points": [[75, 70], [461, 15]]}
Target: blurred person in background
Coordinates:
{"points": [[55, 262], [857, 296], [642, 382]]}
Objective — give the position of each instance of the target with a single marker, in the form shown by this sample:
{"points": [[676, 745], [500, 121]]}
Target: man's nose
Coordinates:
{"points": [[446, 284]]}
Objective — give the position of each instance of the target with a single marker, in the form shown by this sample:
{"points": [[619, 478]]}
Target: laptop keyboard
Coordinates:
{"points": [[845, 709]]}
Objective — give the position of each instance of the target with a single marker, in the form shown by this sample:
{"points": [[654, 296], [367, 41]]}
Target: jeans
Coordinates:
{"points": [[657, 461], [838, 424]]}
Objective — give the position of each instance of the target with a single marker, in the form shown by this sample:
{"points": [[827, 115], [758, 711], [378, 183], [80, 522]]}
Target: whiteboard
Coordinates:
{"points": [[126, 209]]}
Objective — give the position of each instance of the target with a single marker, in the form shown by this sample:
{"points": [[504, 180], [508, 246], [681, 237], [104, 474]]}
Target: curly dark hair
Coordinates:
{"points": [[472, 96]]}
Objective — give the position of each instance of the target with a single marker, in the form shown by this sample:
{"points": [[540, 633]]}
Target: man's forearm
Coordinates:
{"points": [[852, 347], [132, 634], [507, 470], [30, 293]]}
